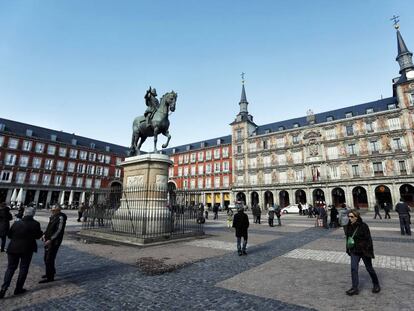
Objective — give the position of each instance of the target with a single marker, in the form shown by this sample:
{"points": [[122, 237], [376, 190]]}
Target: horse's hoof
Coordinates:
{"points": [[164, 146]]}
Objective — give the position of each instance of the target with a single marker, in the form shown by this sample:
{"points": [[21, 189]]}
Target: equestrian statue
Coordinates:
{"points": [[154, 121]]}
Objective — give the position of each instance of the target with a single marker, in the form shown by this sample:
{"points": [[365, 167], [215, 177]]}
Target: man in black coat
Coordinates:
{"points": [[53, 238], [23, 235], [241, 223], [404, 214], [5, 218]]}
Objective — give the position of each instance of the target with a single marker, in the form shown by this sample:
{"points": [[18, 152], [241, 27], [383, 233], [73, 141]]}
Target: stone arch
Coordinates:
{"points": [[241, 197], [338, 196], [284, 198], [254, 198], [359, 197], [407, 194], [300, 196], [269, 201], [318, 195], [383, 195]]}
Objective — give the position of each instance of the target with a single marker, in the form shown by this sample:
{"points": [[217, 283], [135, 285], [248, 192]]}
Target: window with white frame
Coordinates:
{"points": [[208, 155], [107, 159], [40, 148], [83, 155], [200, 183], [62, 151], [208, 168], [200, 156], [100, 158], [36, 162], [226, 166], [73, 153], [60, 165], [225, 181], [48, 164], [208, 182], [267, 161], [90, 169], [392, 106], [180, 159], [46, 179], [217, 167], [171, 172], [225, 152], [106, 171], [332, 152], [34, 177], [79, 182], [92, 157], [193, 157], [180, 171], [51, 149], [217, 153], [369, 126], [97, 183], [283, 177], [186, 158], [369, 110], [239, 164], [192, 183], [330, 133], [348, 115], [297, 157], [349, 130], [253, 179], [355, 170], [299, 175], [201, 169], [217, 182], [99, 171], [394, 123], [411, 99], [378, 170], [267, 178], [240, 180], [13, 142], [23, 161], [252, 147], [1, 141], [118, 161], [185, 170], [280, 142], [71, 167], [295, 139], [69, 181], [252, 163], [281, 158], [193, 170], [88, 183], [81, 168], [374, 145], [402, 167], [334, 172], [20, 177], [58, 180], [6, 176], [397, 143], [352, 149], [27, 145], [10, 159]]}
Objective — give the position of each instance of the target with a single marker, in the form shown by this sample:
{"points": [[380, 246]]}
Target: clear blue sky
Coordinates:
{"points": [[83, 66]]}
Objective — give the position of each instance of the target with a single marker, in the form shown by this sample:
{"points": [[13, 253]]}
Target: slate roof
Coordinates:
{"points": [[42, 133], [198, 145], [358, 110]]}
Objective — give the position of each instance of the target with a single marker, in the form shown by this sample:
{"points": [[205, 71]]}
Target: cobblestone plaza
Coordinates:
{"points": [[293, 267]]}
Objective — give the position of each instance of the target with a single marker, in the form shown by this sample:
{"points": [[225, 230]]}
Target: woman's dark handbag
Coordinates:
{"points": [[350, 242]]}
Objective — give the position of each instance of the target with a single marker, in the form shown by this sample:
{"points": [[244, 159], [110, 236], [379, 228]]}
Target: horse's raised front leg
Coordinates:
{"points": [[155, 138], [166, 134]]}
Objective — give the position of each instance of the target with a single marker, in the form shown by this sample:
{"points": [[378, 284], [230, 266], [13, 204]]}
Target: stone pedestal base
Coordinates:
{"points": [[143, 209]]}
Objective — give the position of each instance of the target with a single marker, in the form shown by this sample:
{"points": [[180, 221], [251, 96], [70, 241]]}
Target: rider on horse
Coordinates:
{"points": [[152, 104]]}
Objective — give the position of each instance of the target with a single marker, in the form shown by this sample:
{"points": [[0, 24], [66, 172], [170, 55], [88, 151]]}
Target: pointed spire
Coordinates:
{"points": [[243, 95], [243, 101], [402, 48], [404, 57]]}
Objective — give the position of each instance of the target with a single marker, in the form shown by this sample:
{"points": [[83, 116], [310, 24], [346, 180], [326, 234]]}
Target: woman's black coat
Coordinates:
{"points": [[363, 241]]}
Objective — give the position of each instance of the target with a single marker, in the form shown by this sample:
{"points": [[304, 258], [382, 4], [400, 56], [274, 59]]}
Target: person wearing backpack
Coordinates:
{"points": [[359, 246]]}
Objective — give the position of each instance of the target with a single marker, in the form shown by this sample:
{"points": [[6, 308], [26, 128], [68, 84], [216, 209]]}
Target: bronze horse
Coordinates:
{"points": [[159, 124]]}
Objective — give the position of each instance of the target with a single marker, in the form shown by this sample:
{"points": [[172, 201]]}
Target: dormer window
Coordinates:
{"points": [[369, 110], [188, 147], [329, 118], [267, 131], [173, 151], [281, 128], [29, 133], [74, 141], [295, 125], [107, 148], [218, 141], [93, 145], [53, 137], [411, 101], [348, 115], [392, 106], [2, 127]]}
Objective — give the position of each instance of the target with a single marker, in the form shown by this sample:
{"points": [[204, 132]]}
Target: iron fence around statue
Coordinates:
{"points": [[144, 212]]}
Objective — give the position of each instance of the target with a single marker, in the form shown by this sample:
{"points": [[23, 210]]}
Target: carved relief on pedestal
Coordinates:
{"points": [[134, 181], [161, 180], [385, 143]]}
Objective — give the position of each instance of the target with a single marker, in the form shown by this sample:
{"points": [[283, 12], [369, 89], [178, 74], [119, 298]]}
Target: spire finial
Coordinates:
{"points": [[242, 76], [396, 21]]}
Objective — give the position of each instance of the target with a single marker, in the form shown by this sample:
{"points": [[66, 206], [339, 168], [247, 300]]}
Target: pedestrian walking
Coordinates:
{"points": [[241, 224], [23, 235], [343, 217], [377, 210], [5, 217], [53, 238], [278, 213], [387, 209], [81, 210], [403, 211], [359, 246], [334, 217], [271, 215], [229, 218], [300, 208]]}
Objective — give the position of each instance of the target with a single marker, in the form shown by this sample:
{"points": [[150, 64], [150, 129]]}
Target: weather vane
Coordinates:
{"points": [[242, 75], [396, 21]]}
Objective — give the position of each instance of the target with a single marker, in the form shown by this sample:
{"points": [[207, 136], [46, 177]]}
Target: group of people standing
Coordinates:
{"points": [[23, 235]]}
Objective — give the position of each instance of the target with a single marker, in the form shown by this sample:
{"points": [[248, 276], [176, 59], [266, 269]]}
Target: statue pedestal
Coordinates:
{"points": [[143, 209]]}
